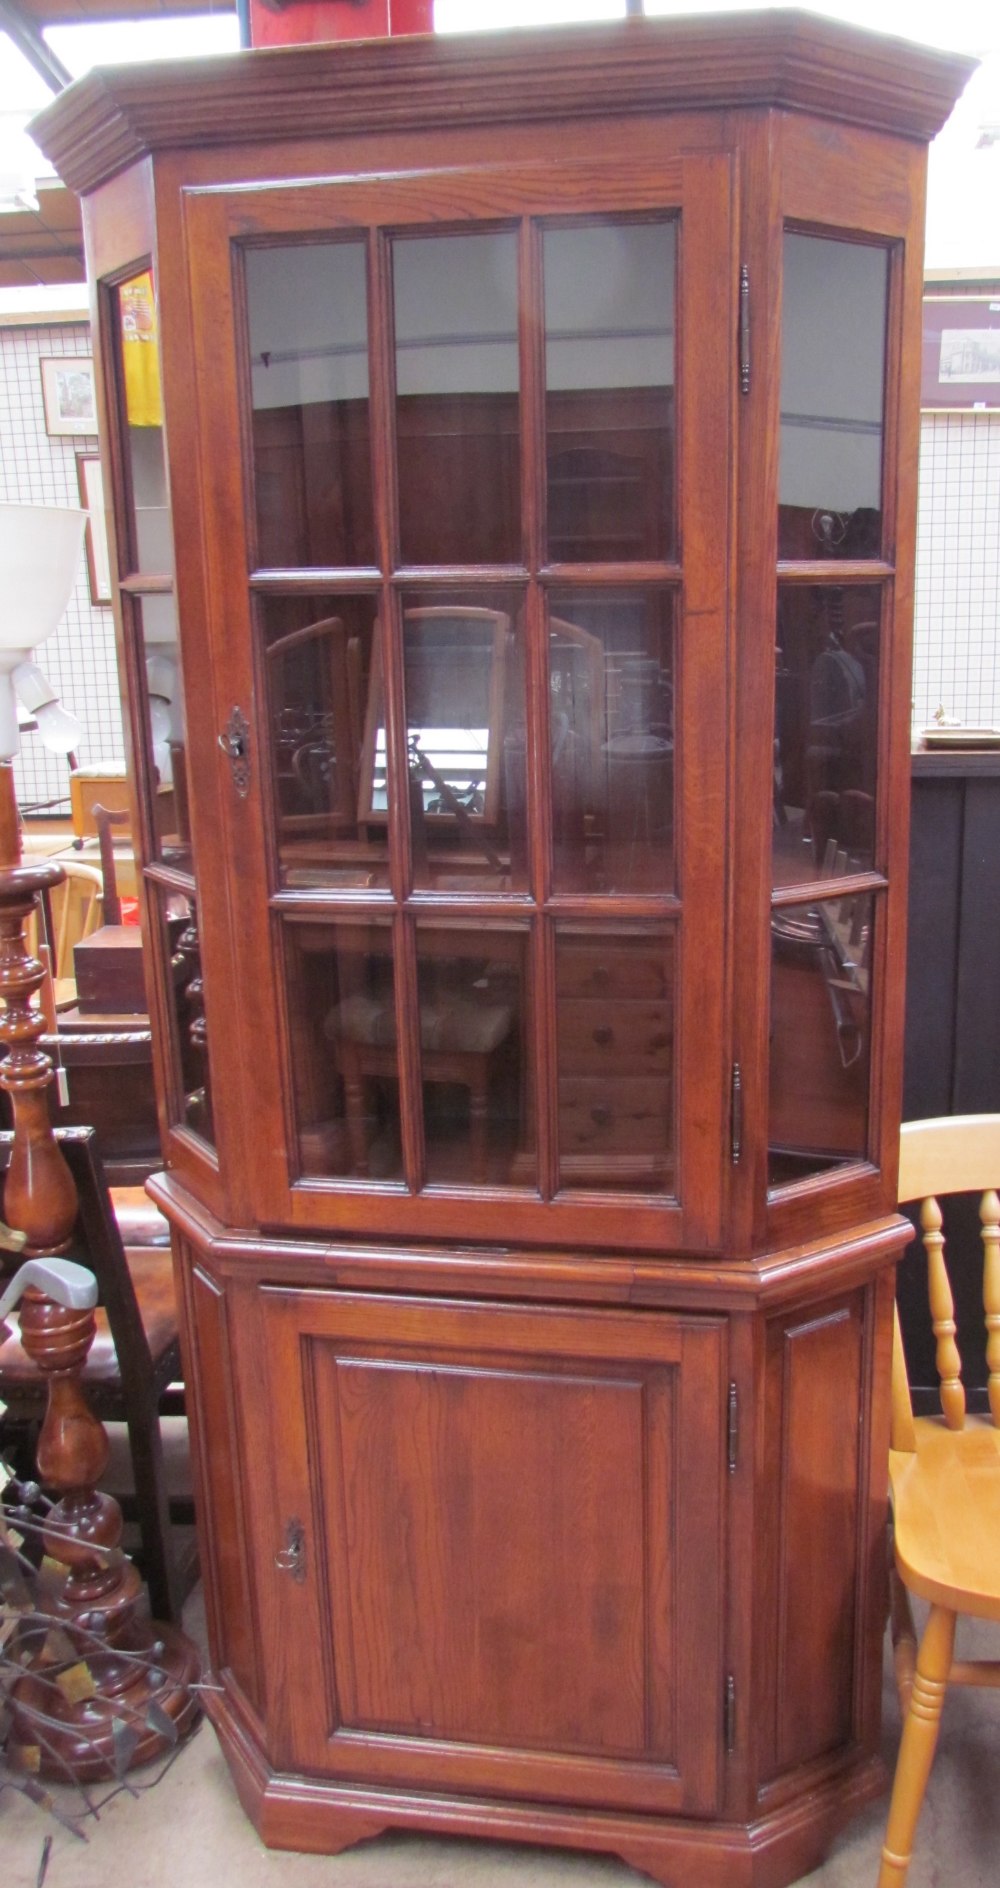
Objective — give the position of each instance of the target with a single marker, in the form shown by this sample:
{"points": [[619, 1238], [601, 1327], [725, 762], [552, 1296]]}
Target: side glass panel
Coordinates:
{"points": [[342, 1048], [457, 421], [463, 667], [826, 731], [190, 1101], [820, 1036], [833, 338], [150, 549], [164, 773], [611, 703], [308, 336], [475, 1035], [609, 368], [321, 667], [615, 996]]}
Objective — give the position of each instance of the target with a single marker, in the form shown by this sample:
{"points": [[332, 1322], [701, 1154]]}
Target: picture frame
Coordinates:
{"points": [[88, 472], [961, 354], [68, 394]]}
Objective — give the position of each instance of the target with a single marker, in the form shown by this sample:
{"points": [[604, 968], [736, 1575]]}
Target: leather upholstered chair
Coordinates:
{"points": [[133, 1372]]}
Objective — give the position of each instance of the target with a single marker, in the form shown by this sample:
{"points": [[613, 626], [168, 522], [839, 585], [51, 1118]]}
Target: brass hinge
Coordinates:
{"points": [[744, 328], [729, 1715], [732, 1429], [736, 1114]]}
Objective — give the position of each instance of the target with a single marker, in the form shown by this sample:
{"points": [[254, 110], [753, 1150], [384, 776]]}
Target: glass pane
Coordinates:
{"points": [[151, 551], [464, 677], [190, 1094], [826, 731], [475, 1035], [820, 1036], [615, 1057], [609, 366], [457, 424], [320, 666], [163, 768], [342, 1048], [611, 701], [832, 392], [307, 316]]}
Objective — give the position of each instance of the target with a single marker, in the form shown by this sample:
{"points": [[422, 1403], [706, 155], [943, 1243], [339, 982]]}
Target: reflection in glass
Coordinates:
{"points": [[611, 702], [820, 1036], [141, 425], [615, 1057], [189, 1096], [342, 1048], [457, 424], [464, 680], [826, 731], [833, 335], [164, 773], [308, 336], [609, 365], [320, 665], [474, 1061]]}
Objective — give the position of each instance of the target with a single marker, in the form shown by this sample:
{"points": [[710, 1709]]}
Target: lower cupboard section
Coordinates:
{"points": [[624, 1563]]}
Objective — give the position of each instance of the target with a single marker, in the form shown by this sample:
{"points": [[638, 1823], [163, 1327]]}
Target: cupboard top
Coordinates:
{"points": [[794, 60]]}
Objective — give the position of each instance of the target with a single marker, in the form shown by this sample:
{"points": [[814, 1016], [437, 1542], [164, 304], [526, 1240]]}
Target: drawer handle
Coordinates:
{"points": [[601, 1116], [292, 1557], [604, 1035]]}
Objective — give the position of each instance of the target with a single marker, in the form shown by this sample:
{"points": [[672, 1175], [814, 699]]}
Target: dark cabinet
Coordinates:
{"points": [[513, 532]]}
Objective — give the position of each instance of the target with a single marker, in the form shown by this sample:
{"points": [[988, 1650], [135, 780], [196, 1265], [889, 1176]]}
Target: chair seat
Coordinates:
{"points": [[946, 1514], [455, 1026], [153, 1277]]}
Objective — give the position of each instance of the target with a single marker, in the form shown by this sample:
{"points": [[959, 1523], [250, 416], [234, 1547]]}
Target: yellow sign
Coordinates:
{"points": [[140, 351]]}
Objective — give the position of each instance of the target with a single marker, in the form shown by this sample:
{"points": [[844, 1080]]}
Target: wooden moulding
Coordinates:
{"points": [[306, 1814], [114, 116]]}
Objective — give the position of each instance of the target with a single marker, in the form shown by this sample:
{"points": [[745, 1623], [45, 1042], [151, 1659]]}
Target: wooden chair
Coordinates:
{"points": [[944, 1471], [134, 1361]]}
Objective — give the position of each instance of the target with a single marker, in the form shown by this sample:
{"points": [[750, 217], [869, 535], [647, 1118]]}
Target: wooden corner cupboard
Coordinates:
{"points": [[512, 444]]}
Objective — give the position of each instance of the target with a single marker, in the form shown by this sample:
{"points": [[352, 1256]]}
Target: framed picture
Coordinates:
{"points": [[68, 394], [88, 471], [961, 357]]}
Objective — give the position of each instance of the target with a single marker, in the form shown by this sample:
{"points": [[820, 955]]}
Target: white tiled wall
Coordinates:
{"points": [[957, 627], [35, 468]]}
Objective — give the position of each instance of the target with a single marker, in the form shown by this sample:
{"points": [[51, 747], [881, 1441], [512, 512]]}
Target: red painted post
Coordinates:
{"points": [[302, 22]]}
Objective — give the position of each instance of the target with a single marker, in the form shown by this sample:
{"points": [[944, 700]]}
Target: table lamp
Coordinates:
{"points": [[39, 553]]}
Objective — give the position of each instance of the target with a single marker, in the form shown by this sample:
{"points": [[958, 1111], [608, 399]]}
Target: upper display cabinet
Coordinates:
{"points": [[513, 447]]}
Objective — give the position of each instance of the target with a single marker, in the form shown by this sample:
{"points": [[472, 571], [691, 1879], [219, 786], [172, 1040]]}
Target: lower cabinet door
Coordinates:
{"points": [[496, 1557]]}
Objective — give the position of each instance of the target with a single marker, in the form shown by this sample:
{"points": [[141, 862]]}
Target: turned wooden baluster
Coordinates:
{"points": [[39, 1195], [187, 959], [126, 1663]]}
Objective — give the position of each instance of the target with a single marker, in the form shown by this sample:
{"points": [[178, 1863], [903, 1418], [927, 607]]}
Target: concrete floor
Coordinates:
{"points": [[188, 1830]]}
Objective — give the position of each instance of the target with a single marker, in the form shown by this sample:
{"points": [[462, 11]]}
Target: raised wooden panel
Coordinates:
{"points": [[234, 1643], [504, 1580], [814, 1409]]}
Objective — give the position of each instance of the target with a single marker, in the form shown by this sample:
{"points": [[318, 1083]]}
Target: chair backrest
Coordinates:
{"points": [[97, 1243], [951, 1154]]}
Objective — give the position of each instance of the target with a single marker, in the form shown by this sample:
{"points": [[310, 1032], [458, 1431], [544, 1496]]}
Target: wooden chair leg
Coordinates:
{"points": [[916, 1752]]}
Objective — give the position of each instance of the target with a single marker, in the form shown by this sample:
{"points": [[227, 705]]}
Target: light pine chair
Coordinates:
{"points": [[944, 1471]]}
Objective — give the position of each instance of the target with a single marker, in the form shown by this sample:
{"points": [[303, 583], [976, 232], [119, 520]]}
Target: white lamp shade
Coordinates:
{"points": [[39, 553]]}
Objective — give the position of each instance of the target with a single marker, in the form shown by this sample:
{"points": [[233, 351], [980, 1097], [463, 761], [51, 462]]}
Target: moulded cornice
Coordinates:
{"points": [[790, 59]]}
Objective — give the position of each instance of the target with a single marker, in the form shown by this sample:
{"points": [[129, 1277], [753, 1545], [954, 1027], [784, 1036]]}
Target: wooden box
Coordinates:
{"points": [[108, 969]]}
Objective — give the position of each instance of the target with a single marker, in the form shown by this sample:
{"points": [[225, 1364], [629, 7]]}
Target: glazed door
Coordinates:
{"points": [[494, 1548], [468, 519]]}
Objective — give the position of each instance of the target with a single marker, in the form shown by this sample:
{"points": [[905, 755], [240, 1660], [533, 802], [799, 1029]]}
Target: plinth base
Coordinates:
{"points": [[784, 1843]]}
